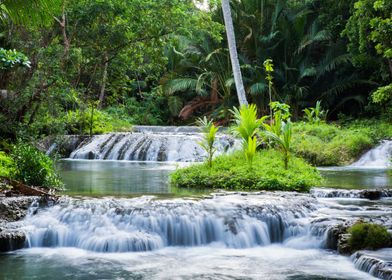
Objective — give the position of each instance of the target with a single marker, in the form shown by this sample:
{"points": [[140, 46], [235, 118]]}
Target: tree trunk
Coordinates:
{"points": [[104, 78], [63, 26], [233, 53]]}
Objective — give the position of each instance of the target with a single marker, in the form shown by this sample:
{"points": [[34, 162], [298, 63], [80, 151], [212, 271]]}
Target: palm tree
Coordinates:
{"points": [[233, 53], [27, 12]]}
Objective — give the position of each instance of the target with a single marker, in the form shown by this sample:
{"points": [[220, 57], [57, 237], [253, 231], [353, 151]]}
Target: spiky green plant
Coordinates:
{"points": [[315, 115], [246, 121], [250, 149], [209, 135], [282, 140]]}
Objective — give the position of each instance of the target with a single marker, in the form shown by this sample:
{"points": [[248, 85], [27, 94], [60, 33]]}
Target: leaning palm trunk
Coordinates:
{"points": [[233, 53]]}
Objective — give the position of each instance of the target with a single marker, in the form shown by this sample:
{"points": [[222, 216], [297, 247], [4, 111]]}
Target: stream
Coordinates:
{"points": [[121, 220]]}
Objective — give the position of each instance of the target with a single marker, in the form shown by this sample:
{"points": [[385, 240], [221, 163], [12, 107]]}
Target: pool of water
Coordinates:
{"points": [[356, 178], [127, 178], [273, 262], [118, 178]]}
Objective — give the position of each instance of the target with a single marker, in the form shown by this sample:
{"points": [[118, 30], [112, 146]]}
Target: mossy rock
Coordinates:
{"points": [[368, 236]]}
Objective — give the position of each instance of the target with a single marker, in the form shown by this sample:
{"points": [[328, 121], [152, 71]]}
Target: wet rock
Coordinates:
{"points": [[12, 210], [15, 208], [371, 194], [343, 245], [377, 263], [11, 240], [334, 235]]}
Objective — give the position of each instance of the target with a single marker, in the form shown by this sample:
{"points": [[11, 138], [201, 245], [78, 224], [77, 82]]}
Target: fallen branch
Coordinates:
{"points": [[24, 189]]}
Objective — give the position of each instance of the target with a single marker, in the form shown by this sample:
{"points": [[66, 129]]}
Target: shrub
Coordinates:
{"points": [[232, 172], [7, 166], [33, 167], [368, 236]]}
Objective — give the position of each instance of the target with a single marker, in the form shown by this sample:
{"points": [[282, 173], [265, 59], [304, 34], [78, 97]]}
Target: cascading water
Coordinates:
{"points": [[378, 264], [264, 235], [379, 157], [143, 224], [151, 144]]}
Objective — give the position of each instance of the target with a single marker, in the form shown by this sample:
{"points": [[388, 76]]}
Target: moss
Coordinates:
{"points": [[368, 236], [233, 172]]}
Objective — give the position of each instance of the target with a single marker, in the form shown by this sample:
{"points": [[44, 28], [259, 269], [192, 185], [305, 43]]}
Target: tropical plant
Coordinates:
{"points": [[315, 115], [281, 109], [269, 69], [209, 135], [247, 124], [282, 140], [29, 12], [250, 149]]}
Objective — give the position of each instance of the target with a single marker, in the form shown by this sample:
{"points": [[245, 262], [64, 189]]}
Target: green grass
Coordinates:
{"points": [[233, 172], [333, 144]]}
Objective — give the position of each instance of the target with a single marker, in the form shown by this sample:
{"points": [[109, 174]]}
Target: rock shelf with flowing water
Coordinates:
{"points": [[276, 223], [378, 157], [149, 143], [232, 220]]}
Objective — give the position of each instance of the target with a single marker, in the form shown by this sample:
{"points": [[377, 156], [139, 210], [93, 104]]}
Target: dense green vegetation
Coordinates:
{"points": [[167, 62], [233, 172], [29, 165], [337, 144], [368, 236]]}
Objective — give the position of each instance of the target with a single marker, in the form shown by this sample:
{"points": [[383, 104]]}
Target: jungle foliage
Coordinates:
{"points": [[167, 62]]}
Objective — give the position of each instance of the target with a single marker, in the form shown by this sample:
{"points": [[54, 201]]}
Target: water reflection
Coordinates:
{"points": [[97, 178], [356, 178]]}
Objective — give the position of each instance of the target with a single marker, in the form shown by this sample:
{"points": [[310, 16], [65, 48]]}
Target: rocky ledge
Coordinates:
{"points": [[12, 210], [377, 263]]}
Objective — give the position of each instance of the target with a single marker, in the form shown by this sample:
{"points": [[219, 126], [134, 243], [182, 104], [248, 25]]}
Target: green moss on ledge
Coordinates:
{"points": [[234, 173], [368, 236]]}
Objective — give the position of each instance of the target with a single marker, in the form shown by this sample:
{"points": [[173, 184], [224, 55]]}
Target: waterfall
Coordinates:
{"points": [[379, 156], [377, 263], [151, 143], [143, 224]]}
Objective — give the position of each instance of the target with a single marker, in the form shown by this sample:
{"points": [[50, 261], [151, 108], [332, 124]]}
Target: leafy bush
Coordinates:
{"points": [[12, 58], [232, 172], [7, 166], [33, 167], [368, 236]]}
